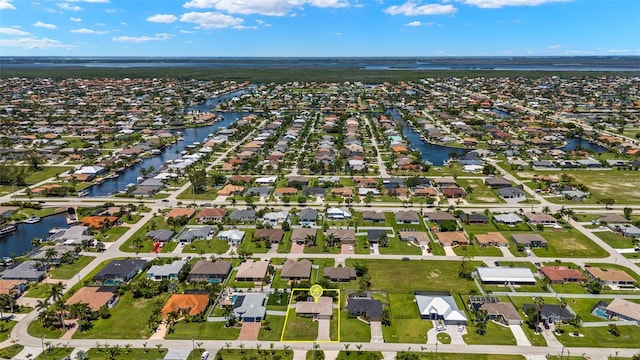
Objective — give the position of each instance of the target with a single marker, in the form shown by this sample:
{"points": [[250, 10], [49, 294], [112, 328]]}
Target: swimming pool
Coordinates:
{"points": [[601, 312], [234, 297]]}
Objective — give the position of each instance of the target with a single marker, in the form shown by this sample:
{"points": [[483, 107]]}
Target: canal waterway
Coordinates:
{"points": [[189, 135], [435, 154], [19, 241], [574, 143]]}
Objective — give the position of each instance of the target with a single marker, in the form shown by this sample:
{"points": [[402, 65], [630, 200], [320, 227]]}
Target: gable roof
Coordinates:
{"points": [[444, 306]]}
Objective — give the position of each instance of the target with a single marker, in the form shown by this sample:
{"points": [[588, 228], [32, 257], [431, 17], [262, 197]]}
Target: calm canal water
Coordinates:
{"points": [[19, 241], [435, 154], [190, 135]]}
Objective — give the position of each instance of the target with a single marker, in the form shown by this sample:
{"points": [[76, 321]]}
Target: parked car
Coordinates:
{"points": [[405, 259], [441, 328]]}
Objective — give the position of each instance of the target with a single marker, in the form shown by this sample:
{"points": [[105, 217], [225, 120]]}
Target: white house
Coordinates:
{"points": [[440, 308], [266, 180], [338, 214], [275, 218], [234, 237]]}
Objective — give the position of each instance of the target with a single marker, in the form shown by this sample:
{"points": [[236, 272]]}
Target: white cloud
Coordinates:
{"points": [[187, 32], [412, 8], [33, 43], [336, 34], [67, 6], [75, 19], [415, 23], [44, 25], [211, 20], [89, 31], [91, 1], [495, 4], [6, 5], [262, 7], [329, 3], [13, 31], [163, 18], [141, 39]]}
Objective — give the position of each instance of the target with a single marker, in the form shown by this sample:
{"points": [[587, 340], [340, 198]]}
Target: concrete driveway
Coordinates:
{"points": [[324, 329], [376, 332], [448, 251], [518, 333]]}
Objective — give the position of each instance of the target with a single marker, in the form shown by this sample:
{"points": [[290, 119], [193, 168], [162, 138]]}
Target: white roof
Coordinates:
{"points": [[266, 180], [89, 170], [444, 306], [231, 235], [508, 218], [506, 274]]}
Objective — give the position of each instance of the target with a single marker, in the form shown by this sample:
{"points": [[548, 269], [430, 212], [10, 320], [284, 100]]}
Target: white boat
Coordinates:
{"points": [[82, 193], [32, 220], [55, 230]]}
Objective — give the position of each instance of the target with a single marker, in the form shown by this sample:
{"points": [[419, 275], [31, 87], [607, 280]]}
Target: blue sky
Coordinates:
{"points": [[319, 27]]}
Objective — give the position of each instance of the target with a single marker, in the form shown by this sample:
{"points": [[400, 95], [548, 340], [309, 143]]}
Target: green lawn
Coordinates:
{"points": [[480, 193], [276, 323], [210, 194], [495, 335], [11, 351], [128, 320], [115, 233], [299, 328], [39, 291], [476, 250], [55, 353], [5, 329], [195, 354], [208, 246], [443, 338], [67, 271], [614, 240], [408, 276], [406, 325], [354, 354], [569, 243], [134, 354], [399, 247], [284, 247], [36, 329], [265, 354], [203, 331], [353, 330], [448, 356], [600, 337], [44, 173]]}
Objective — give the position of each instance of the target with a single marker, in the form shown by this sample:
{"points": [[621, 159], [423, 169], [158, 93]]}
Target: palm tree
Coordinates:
{"points": [[310, 240], [331, 239], [49, 255], [56, 291]]}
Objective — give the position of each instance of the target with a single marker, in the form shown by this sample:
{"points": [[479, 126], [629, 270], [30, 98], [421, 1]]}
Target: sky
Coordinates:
{"points": [[319, 28]]}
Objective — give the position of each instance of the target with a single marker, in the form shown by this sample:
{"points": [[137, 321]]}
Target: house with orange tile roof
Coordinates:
{"points": [[192, 304], [231, 189], [97, 222], [178, 212], [285, 191], [399, 149]]}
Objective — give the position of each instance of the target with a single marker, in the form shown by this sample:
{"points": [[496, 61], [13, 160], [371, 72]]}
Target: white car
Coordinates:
{"points": [[441, 328]]}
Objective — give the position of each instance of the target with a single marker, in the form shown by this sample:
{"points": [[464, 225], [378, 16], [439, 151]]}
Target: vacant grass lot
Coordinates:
{"points": [[480, 193], [44, 173], [67, 271], [128, 320], [406, 325], [11, 351], [614, 240], [404, 277], [600, 337], [214, 246], [115, 233], [569, 243]]}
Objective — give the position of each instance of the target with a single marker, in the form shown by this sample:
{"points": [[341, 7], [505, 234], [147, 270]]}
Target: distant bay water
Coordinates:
{"points": [[573, 63]]}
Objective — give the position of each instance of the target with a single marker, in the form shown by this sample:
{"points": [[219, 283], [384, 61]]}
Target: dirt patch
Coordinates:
{"points": [[573, 244], [347, 249], [249, 331]]}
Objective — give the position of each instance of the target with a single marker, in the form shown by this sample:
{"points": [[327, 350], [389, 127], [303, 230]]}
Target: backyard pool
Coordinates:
{"points": [[601, 312]]}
